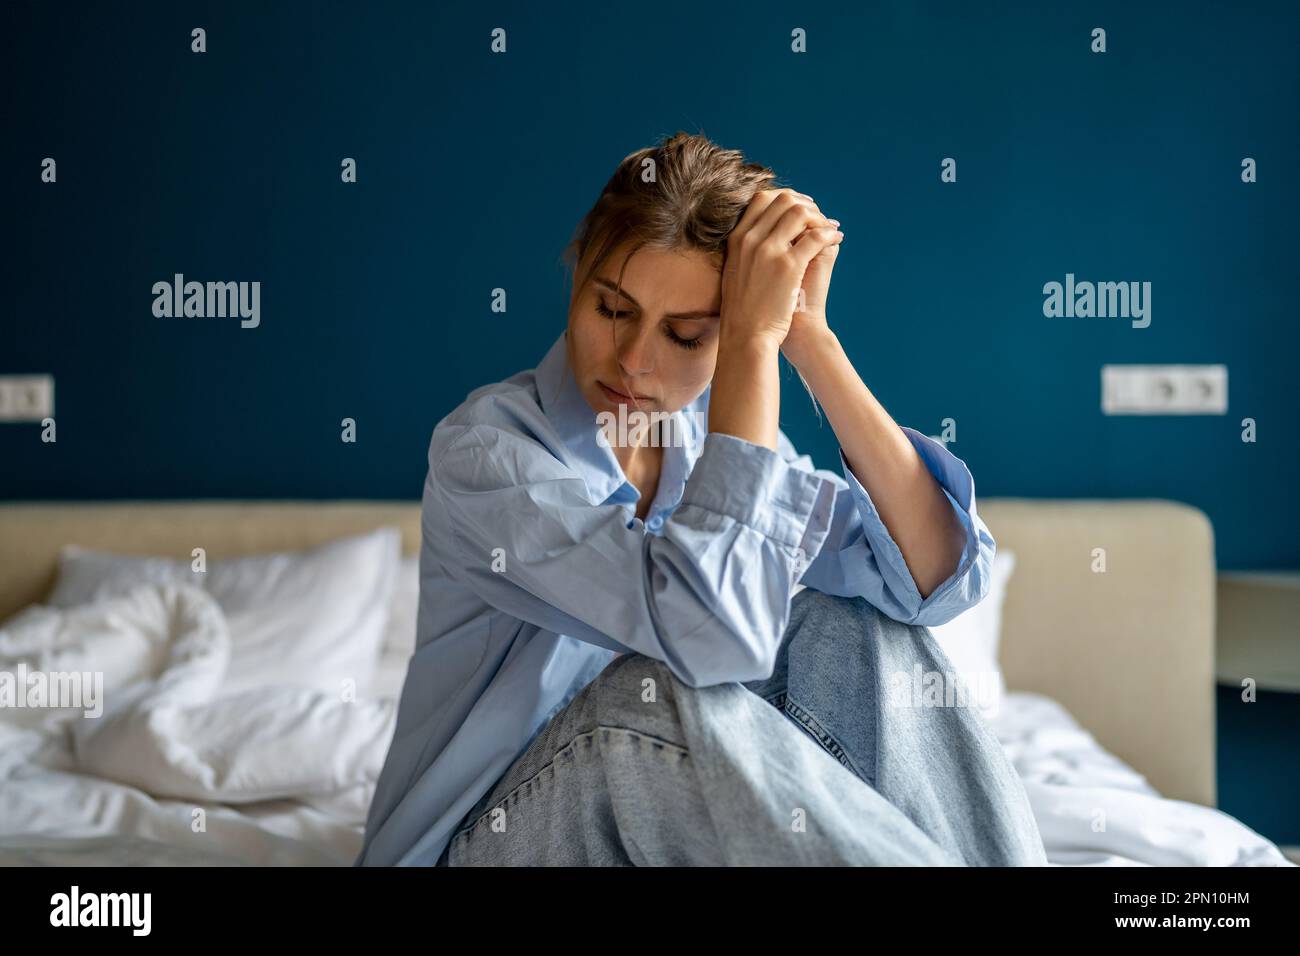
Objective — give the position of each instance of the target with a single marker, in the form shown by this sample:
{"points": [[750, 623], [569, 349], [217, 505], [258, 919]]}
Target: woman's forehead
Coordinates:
{"points": [[683, 282]]}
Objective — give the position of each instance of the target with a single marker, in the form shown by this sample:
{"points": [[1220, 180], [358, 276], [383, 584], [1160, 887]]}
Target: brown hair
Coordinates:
{"points": [[696, 193]]}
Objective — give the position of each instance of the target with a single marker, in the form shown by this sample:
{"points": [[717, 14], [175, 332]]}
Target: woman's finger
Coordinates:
{"points": [[758, 204], [814, 241], [795, 221], [764, 212], [783, 201]]}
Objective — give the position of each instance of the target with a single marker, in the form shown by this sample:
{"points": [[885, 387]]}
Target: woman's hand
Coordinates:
{"points": [[768, 257], [809, 325]]}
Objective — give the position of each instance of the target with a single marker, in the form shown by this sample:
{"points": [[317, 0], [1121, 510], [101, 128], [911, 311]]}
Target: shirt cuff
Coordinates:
{"points": [[958, 486], [755, 486]]}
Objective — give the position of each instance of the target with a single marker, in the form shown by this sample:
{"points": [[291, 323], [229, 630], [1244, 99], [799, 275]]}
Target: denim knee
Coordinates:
{"points": [[839, 611], [848, 639], [638, 693]]}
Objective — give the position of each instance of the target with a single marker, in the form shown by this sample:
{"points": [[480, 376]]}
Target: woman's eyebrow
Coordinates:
{"points": [[698, 314]]}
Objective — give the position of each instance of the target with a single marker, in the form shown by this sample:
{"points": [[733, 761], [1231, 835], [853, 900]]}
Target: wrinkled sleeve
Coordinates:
{"points": [[860, 558], [710, 596]]}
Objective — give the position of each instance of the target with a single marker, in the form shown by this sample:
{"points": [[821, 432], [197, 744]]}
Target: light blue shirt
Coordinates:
{"points": [[535, 573]]}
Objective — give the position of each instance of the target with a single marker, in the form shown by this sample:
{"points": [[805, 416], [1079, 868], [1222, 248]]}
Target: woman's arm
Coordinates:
{"points": [[745, 395], [860, 558], [911, 502], [767, 256]]}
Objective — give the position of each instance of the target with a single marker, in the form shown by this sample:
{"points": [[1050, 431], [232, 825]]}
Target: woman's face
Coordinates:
{"points": [[657, 341]]}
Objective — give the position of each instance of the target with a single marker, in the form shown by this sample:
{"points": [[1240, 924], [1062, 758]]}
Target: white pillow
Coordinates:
{"points": [[86, 575], [970, 640], [399, 637], [310, 618]]}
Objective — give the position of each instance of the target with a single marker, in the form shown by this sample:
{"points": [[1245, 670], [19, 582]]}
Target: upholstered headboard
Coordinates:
{"points": [[1128, 651], [31, 533]]}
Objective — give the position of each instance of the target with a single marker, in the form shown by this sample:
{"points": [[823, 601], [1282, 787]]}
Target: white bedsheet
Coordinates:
{"points": [[175, 769], [283, 776], [1094, 810]]}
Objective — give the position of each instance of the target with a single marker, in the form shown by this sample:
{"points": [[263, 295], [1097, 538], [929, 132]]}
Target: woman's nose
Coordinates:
{"points": [[635, 355]]}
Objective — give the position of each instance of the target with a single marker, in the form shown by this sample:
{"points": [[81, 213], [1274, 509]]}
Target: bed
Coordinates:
{"points": [[1105, 643]]}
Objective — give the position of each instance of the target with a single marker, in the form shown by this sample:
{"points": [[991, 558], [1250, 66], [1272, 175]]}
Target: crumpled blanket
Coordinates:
{"points": [[166, 729]]}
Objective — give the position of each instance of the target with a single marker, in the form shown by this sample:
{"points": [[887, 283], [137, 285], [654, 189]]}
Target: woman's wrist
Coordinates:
{"points": [[745, 396], [746, 347], [803, 351]]}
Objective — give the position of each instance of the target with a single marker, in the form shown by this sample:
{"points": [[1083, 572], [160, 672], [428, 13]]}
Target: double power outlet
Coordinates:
{"points": [[26, 398], [1164, 389]]}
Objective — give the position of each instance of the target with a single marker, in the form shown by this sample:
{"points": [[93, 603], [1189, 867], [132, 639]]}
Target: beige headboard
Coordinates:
{"points": [[31, 533], [1129, 652]]}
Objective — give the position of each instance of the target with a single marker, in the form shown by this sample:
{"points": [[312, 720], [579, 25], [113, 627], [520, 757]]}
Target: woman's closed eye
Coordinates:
{"points": [[668, 331], [684, 343]]}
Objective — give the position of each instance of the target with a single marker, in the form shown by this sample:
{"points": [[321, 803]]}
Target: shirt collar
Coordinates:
{"points": [[575, 422]]}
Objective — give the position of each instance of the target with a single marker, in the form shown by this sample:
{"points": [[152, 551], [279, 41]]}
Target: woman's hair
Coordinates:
{"points": [[685, 193]]}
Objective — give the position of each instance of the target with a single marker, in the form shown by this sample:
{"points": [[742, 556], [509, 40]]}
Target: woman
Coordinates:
{"points": [[612, 664]]}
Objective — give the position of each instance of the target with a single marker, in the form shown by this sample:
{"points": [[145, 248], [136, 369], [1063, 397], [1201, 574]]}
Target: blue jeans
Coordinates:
{"points": [[818, 764]]}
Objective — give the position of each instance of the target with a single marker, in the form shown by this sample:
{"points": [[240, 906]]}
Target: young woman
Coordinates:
{"points": [[673, 643]]}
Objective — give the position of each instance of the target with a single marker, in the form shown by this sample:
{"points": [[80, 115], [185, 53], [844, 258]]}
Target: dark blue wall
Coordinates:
{"points": [[474, 169]]}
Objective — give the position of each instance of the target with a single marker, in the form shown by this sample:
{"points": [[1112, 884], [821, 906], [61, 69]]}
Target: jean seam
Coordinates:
{"points": [[588, 735], [824, 737]]}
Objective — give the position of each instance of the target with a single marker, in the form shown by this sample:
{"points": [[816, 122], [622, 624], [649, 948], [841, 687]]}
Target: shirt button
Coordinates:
{"points": [[799, 555], [655, 522]]}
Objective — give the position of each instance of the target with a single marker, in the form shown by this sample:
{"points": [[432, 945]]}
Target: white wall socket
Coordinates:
{"points": [[26, 398], [1164, 389]]}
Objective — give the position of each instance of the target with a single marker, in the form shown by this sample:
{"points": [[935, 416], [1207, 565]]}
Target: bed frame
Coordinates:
{"points": [[1128, 651]]}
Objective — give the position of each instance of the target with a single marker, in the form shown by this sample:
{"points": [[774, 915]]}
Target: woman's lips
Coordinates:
{"points": [[619, 397]]}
